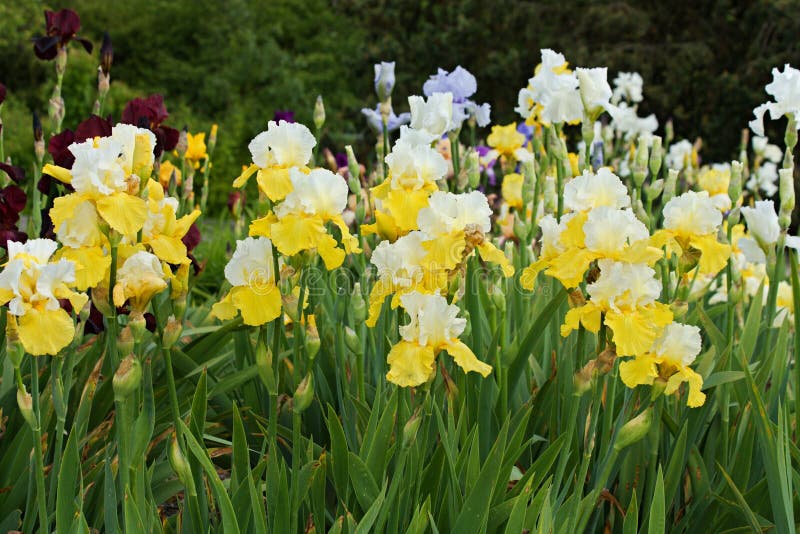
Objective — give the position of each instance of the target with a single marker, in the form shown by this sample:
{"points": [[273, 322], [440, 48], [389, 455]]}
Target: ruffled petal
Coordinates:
{"points": [[275, 183], [410, 364], [466, 359], [245, 176], [492, 254], [638, 371], [257, 305], [123, 212], [45, 331]]}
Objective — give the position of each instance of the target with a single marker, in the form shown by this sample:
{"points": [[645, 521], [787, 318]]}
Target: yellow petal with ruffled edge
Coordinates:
{"points": [[59, 173], [64, 208], [224, 309], [242, 179], [263, 226], [466, 359], [410, 364], [45, 331], [329, 251], [384, 226], [492, 254], [641, 252], [404, 207], [380, 291], [169, 249], [91, 265], [444, 252], [183, 224], [257, 305], [274, 182], [634, 331], [349, 241], [529, 274], [570, 266], [573, 235], [123, 212], [714, 255], [685, 374], [589, 315], [6, 295], [638, 371], [294, 233]]}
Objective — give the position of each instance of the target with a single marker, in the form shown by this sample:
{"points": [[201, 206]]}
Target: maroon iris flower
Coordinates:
{"points": [[58, 147], [150, 113], [12, 202], [62, 27], [191, 240], [17, 174]]}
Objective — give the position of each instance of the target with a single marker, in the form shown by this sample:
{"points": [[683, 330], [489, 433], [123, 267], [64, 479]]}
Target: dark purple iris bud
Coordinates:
{"points": [[61, 27], [38, 133], [283, 115], [341, 160], [106, 54], [12, 202], [2, 93]]}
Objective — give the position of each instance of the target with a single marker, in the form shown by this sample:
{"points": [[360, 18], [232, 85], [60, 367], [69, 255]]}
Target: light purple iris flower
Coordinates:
{"points": [[462, 85], [376, 122]]}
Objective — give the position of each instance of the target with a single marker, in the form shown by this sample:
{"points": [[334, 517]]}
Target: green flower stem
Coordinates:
{"points": [[44, 523]]}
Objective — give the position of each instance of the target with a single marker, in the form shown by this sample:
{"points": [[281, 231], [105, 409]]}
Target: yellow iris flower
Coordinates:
{"points": [[669, 360], [31, 285], [254, 294], [282, 147], [298, 223], [434, 327], [163, 231]]}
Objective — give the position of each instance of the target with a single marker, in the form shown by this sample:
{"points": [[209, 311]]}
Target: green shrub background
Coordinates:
{"points": [[235, 62]]}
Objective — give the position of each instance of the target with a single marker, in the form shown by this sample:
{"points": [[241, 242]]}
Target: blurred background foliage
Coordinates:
{"points": [[235, 62]]}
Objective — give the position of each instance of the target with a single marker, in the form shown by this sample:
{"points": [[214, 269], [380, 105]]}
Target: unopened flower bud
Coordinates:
{"points": [[583, 378], [127, 378], [641, 213], [100, 300], [521, 229], [550, 195], [735, 186], [172, 332], [411, 428], [319, 113], [106, 53], [669, 185], [103, 82], [384, 79], [180, 466], [56, 108], [656, 156], [640, 162], [312, 342], [634, 430], [125, 341], [352, 341], [304, 394], [669, 132], [790, 138], [654, 189], [212, 138], [498, 298], [473, 169], [357, 303], [353, 169], [25, 404], [14, 348], [264, 367], [183, 142], [138, 325], [787, 196]]}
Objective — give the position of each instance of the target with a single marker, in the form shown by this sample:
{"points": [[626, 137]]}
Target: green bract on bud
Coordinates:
{"points": [[473, 169], [351, 340], [670, 184], [529, 182], [14, 347], [790, 138], [181, 467], [125, 341], [183, 142], [787, 196], [669, 132], [138, 326], [127, 378], [25, 403], [583, 378], [312, 342], [319, 112], [640, 162], [358, 304], [172, 332], [410, 429], [550, 195], [304, 394], [634, 430], [641, 213], [654, 189], [521, 229], [656, 156], [498, 298], [354, 180], [264, 367], [735, 186]]}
